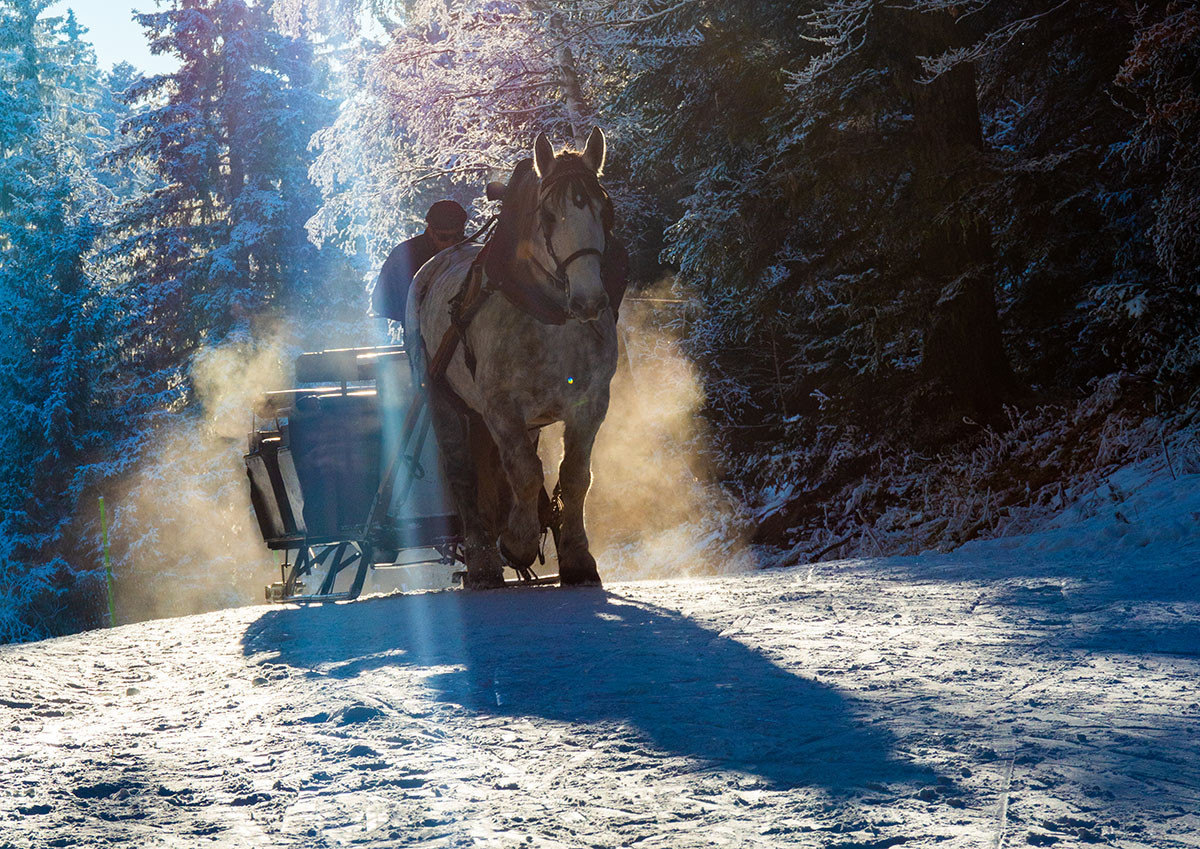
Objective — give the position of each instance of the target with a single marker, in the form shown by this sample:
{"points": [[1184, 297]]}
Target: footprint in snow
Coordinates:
{"points": [[315, 780], [359, 713], [251, 799], [103, 790], [370, 765]]}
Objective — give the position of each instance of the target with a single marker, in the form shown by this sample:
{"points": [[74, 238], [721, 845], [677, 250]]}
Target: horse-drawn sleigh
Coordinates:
{"points": [[505, 338]]}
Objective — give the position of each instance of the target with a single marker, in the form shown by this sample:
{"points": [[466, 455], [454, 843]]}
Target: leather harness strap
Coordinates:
{"points": [[470, 297], [474, 292]]}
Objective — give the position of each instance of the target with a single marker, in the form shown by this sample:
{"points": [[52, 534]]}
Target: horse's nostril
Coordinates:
{"points": [[588, 309]]}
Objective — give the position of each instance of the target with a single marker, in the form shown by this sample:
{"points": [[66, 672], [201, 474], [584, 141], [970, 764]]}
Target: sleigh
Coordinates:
{"points": [[344, 479], [316, 483]]}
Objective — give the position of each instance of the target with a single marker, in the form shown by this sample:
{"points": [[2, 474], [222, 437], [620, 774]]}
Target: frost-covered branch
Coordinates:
{"points": [[844, 24], [935, 66]]}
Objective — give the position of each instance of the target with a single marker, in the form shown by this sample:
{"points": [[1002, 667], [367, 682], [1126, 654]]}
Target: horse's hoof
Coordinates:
{"points": [[592, 580], [486, 581], [518, 562], [578, 571], [485, 569]]}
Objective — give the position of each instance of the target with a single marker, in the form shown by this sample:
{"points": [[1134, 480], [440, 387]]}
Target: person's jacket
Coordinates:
{"points": [[391, 287]]}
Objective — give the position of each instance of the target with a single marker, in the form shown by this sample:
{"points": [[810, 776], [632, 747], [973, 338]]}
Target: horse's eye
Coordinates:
{"points": [[547, 217]]}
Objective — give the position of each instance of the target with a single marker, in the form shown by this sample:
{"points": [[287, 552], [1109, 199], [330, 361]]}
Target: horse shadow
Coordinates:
{"points": [[590, 656]]}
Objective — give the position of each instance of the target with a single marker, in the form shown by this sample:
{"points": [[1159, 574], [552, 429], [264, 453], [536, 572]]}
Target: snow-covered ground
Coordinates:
{"points": [[1034, 690]]}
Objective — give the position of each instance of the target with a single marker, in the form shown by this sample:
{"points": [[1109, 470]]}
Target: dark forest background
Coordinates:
{"points": [[939, 265]]}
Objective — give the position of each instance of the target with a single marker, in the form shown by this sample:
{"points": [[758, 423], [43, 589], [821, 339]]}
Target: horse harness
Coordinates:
{"points": [[477, 287], [472, 293]]}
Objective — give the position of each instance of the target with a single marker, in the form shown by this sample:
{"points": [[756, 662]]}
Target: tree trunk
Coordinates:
{"points": [[578, 110], [963, 343]]}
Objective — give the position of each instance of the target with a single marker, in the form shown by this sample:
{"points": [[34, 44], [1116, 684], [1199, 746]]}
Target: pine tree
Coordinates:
{"points": [[1162, 71], [226, 136], [213, 256], [55, 319], [24, 96]]}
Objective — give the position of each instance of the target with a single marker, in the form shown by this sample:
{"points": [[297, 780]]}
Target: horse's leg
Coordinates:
{"points": [[491, 487], [484, 567], [575, 563], [523, 468]]}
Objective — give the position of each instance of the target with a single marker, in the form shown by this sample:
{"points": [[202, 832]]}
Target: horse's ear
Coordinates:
{"points": [[543, 155], [594, 151]]}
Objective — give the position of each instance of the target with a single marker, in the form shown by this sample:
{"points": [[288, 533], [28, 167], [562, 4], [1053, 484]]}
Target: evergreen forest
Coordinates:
{"points": [[937, 264]]}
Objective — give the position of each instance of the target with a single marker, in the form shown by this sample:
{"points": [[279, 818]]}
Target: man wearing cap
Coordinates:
{"points": [[445, 222]]}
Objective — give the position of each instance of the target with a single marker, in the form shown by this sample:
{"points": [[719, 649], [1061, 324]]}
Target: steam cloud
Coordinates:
{"points": [[653, 510], [184, 536]]}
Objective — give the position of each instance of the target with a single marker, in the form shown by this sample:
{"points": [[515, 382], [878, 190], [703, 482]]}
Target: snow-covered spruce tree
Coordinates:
{"points": [[55, 322], [848, 289], [1162, 71], [217, 242], [926, 157], [111, 113], [453, 98], [214, 255], [700, 85], [1070, 194]]}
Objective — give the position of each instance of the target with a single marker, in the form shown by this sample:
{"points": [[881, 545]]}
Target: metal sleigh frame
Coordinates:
{"points": [[360, 551], [283, 473]]}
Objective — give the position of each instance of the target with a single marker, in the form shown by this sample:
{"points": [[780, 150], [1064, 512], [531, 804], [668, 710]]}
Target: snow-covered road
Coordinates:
{"points": [[980, 699]]}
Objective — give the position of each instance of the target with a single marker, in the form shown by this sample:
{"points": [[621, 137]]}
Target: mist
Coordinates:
{"points": [[654, 509], [184, 535]]}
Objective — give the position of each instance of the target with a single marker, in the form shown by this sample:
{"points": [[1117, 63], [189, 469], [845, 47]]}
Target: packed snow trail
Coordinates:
{"points": [[979, 699]]}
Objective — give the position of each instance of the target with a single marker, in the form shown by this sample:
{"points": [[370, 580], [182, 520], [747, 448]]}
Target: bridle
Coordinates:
{"points": [[558, 277]]}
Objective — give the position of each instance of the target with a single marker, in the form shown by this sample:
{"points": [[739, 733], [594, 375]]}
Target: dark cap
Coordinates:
{"points": [[446, 214]]}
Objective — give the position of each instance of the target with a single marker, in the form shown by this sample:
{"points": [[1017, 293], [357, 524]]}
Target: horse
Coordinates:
{"points": [[536, 345]]}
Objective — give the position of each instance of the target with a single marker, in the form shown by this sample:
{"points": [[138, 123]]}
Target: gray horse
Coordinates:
{"points": [[540, 347]]}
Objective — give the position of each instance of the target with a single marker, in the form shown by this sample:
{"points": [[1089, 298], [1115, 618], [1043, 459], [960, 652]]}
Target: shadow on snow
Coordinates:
{"points": [[1123, 603], [589, 656]]}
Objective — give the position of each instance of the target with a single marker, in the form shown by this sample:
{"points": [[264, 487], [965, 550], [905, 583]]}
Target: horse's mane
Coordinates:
{"points": [[518, 216]]}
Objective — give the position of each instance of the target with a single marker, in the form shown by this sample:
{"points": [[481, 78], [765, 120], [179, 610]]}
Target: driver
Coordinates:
{"points": [[444, 228]]}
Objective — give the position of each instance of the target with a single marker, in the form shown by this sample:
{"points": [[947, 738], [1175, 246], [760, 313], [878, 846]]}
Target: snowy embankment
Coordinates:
{"points": [[1035, 690]]}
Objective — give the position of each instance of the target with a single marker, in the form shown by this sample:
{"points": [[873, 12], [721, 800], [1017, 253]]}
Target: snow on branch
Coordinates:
{"points": [[935, 66], [614, 20], [843, 28]]}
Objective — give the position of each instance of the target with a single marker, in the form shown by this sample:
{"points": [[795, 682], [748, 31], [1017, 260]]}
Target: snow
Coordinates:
{"points": [[1037, 690]]}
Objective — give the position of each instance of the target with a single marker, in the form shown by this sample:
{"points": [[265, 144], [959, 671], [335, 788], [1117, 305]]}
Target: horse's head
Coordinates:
{"points": [[574, 220]]}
